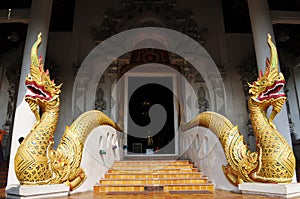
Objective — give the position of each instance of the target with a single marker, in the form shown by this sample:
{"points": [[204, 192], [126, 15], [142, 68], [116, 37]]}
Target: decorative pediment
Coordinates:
{"points": [[138, 57], [148, 13]]}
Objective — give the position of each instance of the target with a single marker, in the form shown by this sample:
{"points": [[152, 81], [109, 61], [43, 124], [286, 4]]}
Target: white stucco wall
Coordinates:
{"points": [[71, 48], [204, 149], [228, 50], [95, 164]]}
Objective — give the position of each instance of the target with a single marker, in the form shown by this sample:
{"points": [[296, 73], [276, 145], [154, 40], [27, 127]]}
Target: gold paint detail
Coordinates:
{"points": [[274, 160], [36, 162]]}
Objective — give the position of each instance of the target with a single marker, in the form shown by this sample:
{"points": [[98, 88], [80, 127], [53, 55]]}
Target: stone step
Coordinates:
{"points": [[153, 175], [162, 170], [154, 181], [151, 158], [147, 176], [159, 162], [152, 167], [166, 188]]}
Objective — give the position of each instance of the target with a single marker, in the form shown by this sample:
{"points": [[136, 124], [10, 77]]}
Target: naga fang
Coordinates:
{"points": [[36, 162], [274, 160]]}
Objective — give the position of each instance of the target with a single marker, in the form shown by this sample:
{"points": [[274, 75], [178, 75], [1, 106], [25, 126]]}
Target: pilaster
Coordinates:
{"points": [[261, 24], [24, 118]]}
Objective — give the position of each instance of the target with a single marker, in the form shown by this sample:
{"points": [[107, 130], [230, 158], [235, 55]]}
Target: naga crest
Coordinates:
{"points": [[267, 86], [36, 162], [273, 161], [43, 90]]}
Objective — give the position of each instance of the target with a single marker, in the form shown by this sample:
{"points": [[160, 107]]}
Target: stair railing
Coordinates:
{"points": [[102, 148], [203, 148]]}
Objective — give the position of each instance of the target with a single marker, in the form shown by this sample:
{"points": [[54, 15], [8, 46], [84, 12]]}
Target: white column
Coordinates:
{"points": [[262, 25], [24, 118]]}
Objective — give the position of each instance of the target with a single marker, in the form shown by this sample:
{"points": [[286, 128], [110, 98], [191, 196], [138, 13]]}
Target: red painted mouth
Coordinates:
{"points": [[272, 92], [37, 91]]}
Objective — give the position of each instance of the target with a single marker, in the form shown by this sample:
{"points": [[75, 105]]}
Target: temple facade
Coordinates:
{"points": [[151, 66]]}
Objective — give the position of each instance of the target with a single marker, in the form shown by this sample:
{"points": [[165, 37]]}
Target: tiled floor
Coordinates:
{"points": [[218, 194]]}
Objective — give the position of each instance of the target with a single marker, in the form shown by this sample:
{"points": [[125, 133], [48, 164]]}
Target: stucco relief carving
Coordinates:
{"points": [[100, 103], [203, 102], [161, 13], [13, 76]]}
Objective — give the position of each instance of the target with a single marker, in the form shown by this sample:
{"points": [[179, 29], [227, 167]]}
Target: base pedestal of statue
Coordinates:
{"points": [[37, 191], [272, 190]]}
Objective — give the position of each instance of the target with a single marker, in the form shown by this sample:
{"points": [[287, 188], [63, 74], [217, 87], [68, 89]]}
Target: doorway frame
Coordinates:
{"points": [[126, 103]]}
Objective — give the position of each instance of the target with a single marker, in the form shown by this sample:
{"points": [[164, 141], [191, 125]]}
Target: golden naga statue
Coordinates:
{"points": [[36, 162], [274, 160]]}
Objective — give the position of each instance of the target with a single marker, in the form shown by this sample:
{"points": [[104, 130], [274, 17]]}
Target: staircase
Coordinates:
{"points": [[160, 175]]}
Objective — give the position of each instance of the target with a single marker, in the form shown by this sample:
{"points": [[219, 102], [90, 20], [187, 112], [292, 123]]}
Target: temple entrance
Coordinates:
{"points": [[150, 115]]}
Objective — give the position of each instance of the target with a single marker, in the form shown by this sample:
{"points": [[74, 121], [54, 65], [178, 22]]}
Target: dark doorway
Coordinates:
{"points": [[150, 115]]}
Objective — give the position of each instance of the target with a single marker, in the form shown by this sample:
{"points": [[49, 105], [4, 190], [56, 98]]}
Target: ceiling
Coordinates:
{"points": [[14, 34], [235, 12], [237, 20]]}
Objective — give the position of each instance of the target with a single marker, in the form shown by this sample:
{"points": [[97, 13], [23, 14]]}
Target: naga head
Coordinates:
{"points": [[268, 85], [43, 91]]}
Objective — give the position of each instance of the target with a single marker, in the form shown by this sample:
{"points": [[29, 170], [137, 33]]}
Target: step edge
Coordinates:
{"points": [[136, 179], [143, 185]]}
